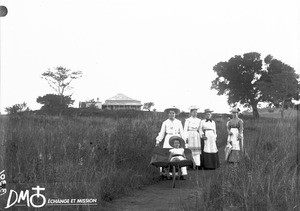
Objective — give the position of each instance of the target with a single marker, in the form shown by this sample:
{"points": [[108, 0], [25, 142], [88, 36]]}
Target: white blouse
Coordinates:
{"points": [[192, 124], [170, 127], [207, 125], [177, 151]]}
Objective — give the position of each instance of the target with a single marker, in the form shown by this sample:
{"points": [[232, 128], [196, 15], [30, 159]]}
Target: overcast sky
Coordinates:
{"points": [[159, 51]]}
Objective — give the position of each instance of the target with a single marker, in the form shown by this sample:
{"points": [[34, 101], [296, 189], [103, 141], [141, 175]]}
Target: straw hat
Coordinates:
{"points": [[208, 110], [235, 110], [174, 138], [172, 108], [194, 108]]}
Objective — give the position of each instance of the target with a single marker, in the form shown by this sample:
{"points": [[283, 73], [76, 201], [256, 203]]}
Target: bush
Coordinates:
{"points": [[17, 109]]}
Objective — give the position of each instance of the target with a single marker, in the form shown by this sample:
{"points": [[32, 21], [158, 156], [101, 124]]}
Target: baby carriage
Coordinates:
{"points": [[161, 158]]}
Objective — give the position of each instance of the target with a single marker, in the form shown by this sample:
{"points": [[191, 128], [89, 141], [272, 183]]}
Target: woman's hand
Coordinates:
{"points": [[230, 133], [157, 143], [186, 144]]}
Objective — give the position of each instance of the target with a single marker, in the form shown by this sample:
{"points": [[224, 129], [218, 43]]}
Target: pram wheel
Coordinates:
{"points": [[174, 169], [165, 175], [160, 158], [162, 177]]}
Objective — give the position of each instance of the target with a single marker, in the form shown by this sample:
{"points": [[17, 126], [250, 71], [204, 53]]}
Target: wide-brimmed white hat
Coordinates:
{"points": [[193, 108], [178, 138], [235, 110], [207, 110], [172, 108]]}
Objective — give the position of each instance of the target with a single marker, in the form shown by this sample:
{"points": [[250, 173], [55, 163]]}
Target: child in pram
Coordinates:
{"points": [[177, 153], [173, 161]]}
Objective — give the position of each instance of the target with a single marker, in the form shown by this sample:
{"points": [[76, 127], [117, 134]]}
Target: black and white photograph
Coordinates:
{"points": [[130, 105]]}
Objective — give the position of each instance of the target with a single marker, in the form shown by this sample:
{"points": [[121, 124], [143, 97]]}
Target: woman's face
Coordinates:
{"points": [[234, 114], [208, 115], [194, 113], [171, 114]]}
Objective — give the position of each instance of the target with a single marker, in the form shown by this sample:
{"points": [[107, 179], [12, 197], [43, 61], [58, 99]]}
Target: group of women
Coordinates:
{"points": [[200, 136]]}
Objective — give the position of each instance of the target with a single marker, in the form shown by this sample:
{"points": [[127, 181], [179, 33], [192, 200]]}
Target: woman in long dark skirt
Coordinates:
{"points": [[209, 134]]}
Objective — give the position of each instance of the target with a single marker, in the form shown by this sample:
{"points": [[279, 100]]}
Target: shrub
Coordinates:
{"points": [[17, 108]]}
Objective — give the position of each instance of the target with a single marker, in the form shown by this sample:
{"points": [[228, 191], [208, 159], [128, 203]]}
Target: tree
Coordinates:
{"points": [[148, 105], [54, 104], [278, 84], [61, 78], [237, 78], [92, 104], [17, 108]]}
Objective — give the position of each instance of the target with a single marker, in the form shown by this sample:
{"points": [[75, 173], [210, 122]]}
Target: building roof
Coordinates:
{"points": [[121, 99]]}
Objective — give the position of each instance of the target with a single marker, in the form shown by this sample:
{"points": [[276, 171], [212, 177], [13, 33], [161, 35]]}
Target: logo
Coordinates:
{"points": [[2, 183], [35, 198], [24, 195]]}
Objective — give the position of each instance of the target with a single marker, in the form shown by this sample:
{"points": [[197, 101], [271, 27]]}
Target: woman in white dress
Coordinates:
{"points": [[171, 127], [235, 128], [209, 134], [192, 132]]}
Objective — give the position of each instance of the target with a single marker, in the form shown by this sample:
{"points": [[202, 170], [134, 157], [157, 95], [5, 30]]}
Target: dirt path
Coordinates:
{"points": [[187, 195]]}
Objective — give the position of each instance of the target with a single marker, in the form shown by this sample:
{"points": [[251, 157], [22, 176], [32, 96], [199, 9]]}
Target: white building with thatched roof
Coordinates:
{"points": [[121, 101]]}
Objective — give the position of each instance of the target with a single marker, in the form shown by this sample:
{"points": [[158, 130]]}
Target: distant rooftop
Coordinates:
{"points": [[121, 99]]}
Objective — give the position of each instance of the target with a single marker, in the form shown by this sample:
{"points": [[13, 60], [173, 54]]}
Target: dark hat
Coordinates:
{"points": [[174, 138], [172, 108]]}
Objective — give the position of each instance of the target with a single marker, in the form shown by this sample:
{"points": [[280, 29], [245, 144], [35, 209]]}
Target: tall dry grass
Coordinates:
{"points": [[84, 157], [105, 158], [3, 129], [266, 179]]}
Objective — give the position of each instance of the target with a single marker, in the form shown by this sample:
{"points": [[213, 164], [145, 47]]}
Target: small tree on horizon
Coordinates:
{"points": [[17, 108], [92, 104], [60, 79], [147, 106]]}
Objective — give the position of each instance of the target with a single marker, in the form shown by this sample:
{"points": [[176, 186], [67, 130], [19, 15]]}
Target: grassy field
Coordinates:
{"points": [[275, 114], [78, 157], [266, 179], [105, 158]]}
